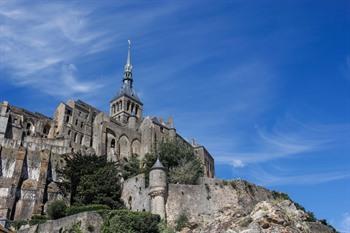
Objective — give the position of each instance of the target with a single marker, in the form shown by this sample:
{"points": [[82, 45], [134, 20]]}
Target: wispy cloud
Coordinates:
{"points": [[345, 223], [263, 177], [287, 138], [38, 40]]}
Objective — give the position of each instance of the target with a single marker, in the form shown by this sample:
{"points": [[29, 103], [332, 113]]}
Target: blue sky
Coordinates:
{"points": [[265, 85]]}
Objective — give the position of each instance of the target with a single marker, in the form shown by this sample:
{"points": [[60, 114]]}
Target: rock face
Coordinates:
{"points": [[270, 216]]}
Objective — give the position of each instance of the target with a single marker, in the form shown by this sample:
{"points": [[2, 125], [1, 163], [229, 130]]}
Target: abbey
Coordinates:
{"points": [[31, 145]]}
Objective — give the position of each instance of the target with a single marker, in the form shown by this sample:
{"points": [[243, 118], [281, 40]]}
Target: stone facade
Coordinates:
{"points": [[31, 146]]}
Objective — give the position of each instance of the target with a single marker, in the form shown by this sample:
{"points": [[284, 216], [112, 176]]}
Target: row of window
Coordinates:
{"points": [[130, 107], [76, 122], [77, 137]]}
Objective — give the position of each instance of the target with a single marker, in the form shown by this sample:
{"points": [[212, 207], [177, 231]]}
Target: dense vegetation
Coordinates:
{"points": [[183, 165], [121, 221], [91, 180]]}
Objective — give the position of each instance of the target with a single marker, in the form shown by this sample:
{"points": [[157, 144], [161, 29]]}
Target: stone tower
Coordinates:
{"points": [[158, 188], [126, 105]]}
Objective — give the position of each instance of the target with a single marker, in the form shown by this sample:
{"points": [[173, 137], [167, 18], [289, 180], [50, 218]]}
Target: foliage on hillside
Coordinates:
{"points": [[182, 164]]}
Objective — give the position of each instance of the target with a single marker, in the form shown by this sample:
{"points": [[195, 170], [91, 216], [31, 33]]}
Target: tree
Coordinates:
{"points": [[100, 187], [77, 166], [187, 172], [131, 167], [90, 179], [183, 165]]}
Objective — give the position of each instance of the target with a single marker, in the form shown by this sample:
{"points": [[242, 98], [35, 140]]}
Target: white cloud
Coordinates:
{"points": [[265, 178], [287, 138], [38, 39], [345, 223]]}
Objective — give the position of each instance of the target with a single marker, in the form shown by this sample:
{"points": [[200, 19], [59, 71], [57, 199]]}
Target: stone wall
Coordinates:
{"points": [[85, 222], [211, 196], [135, 194], [26, 181]]}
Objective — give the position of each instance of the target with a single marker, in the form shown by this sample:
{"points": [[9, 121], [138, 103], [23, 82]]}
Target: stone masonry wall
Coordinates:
{"points": [[25, 181], [211, 196], [85, 222], [135, 194]]}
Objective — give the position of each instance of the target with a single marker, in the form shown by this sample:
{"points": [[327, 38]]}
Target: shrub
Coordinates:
{"points": [[181, 222], [56, 209], [121, 221], [78, 209], [38, 219], [164, 228], [18, 223]]}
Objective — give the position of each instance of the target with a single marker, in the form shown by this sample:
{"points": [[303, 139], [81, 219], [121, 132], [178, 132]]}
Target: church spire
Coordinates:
{"points": [[128, 68]]}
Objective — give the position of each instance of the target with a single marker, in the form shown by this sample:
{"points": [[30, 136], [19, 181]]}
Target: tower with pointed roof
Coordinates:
{"points": [[126, 104], [158, 189]]}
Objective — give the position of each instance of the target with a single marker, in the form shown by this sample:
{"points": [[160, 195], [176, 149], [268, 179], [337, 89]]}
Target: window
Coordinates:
{"points": [[46, 129], [76, 137], [128, 106], [76, 122], [113, 143], [67, 119], [81, 140], [81, 124]]}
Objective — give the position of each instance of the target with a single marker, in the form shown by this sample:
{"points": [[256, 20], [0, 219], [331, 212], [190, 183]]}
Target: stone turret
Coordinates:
{"points": [[158, 188]]}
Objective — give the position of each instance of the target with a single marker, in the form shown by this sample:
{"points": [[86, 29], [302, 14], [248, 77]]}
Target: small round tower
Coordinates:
{"points": [[158, 188]]}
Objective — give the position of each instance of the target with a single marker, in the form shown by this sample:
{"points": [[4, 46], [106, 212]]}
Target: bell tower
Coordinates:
{"points": [[126, 105]]}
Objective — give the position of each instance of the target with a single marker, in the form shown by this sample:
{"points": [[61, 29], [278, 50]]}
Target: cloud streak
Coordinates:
{"points": [[38, 40], [287, 138]]}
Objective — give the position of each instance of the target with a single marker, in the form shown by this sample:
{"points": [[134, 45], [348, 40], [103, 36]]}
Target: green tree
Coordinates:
{"points": [[76, 167], [100, 187], [90, 179], [183, 165], [187, 172], [131, 167]]}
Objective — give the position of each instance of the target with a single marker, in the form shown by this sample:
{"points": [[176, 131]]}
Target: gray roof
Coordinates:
{"points": [[158, 165], [128, 91]]}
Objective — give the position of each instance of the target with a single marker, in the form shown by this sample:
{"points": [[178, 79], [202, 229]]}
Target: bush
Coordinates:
{"points": [[56, 209], [181, 222], [164, 228], [121, 221], [38, 219], [78, 209], [18, 223]]}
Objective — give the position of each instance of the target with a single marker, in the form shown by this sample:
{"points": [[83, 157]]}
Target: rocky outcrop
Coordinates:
{"points": [[272, 216]]}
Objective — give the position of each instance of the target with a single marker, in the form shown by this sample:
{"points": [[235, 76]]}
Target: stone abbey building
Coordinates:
{"points": [[31, 145]]}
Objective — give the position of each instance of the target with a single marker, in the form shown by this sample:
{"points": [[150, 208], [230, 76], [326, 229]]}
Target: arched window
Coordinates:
{"points": [[46, 129], [128, 106], [76, 137], [113, 143]]}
